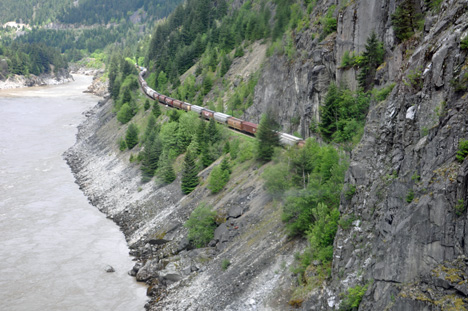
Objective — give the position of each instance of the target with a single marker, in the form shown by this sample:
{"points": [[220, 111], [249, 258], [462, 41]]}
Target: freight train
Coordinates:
{"points": [[230, 121]]}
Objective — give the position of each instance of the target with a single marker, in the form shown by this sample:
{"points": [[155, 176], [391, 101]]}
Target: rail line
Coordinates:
{"points": [[207, 114]]}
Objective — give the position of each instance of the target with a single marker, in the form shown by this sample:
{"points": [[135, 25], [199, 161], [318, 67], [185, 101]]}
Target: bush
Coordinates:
{"points": [[218, 179], [382, 94], [225, 264], [410, 196], [201, 225], [464, 43], [352, 300], [125, 114], [460, 207], [462, 150], [277, 179]]}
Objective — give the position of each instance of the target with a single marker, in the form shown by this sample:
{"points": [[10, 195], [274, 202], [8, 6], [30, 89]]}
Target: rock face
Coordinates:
{"points": [[408, 240]]}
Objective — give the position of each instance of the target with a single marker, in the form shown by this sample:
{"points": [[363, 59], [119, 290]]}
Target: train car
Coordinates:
{"points": [[249, 127], [186, 106], [162, 99], [197, 109], [177, 104], [301, 143], [207, 113], [235, 123], [289, 140], [156, 95], [170, 101], [221, 117]]}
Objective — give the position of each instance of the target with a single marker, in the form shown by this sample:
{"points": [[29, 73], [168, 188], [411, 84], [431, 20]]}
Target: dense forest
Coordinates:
{"points": [[37, 58], [87, 12]]}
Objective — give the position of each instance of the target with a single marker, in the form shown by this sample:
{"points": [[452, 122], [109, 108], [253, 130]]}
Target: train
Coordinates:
{"points": [[222, 118]]}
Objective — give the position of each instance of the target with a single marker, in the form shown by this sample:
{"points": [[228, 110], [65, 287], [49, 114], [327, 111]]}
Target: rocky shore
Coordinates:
{"points": [[17, 81]]}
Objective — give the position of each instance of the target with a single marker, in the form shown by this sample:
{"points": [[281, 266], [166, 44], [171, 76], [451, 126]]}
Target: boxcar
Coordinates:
{"points": [[207, 113], [186, 106], [289, 140], [197, 109], [234, 123], [249, 127], [162, 99], [221, 117], [169, 101], [177, 104]]}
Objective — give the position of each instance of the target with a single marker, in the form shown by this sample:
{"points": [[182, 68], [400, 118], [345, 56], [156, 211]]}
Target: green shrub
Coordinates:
{"points": [[218, 179], [122, 144], [201, 225], [277, 179], [346, 221], [353, 298], [410, 196], [383, 93], [350, 192], [225, 264], [125, 113], [462, 150], [460, 207], [464, 43]]}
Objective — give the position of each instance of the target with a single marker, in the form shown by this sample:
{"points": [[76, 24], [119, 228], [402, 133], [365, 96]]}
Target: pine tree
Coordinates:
{"points": [[373, 56], [156, 109], [225, 165], [212, 131], [147, 104], [151, 154], [150, 127], [405, 20], [131, 137], [189, 174], [267, 137], [167, 170]]}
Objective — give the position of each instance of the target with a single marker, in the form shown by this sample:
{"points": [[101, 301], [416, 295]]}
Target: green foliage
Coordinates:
{"points": [[351, 190], [353, 298], [434, 5], [131, 136], [166, 171], [34, 58], [150, 156], [201, 225], [267, 137], [147, 104], [346, 221], [405, 20], [414, 79], [342, 114], [372, 57], [460, 207], [218, 179], [189, 174], [410, 196], [322, 231], [382, 94], [462, 151], [323, 175], [328, 22], [464, 43], [125, 114], [122, 144], [225, 264], [277, 179]]}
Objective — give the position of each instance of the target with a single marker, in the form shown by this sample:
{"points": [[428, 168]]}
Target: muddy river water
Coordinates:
{"points": [[54, 246]]}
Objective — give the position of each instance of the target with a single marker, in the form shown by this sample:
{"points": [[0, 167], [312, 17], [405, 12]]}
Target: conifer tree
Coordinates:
{"points": [[150, 127], [156, 109], [189, 174], [267, 137], [373, 56], [131, 137], [167, 170], [212, 132], [147, 104], [151, 154]]}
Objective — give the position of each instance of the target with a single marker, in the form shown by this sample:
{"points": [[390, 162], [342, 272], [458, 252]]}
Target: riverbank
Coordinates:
{"points": [[17, 81]]}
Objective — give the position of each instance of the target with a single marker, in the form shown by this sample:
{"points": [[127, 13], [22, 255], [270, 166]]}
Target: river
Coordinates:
{"points": [[55, 246]]}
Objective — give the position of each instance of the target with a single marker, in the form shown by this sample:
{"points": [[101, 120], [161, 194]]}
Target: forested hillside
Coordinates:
{"points": [[83, 12]]}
